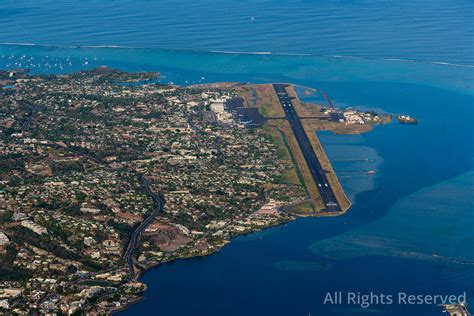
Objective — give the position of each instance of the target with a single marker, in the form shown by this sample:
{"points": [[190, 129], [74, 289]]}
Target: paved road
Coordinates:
{"points": [[135, 238], [317, 172]]}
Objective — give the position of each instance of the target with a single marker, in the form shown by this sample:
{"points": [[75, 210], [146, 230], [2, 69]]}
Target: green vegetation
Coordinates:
{"points": [[124, 230], [103, 283], [18, 275], [24, 235], [293, 161], [5, 217]]}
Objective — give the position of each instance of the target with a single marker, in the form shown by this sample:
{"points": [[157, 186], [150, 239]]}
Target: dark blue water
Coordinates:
{"points": [[276, 272], [410, 228], [289, 269], [435, 30]]}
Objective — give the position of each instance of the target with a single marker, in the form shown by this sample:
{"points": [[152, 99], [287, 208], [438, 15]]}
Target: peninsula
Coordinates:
{"points": [[105, 174]]}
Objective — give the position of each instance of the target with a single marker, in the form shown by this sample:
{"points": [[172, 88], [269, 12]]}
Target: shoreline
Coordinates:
{"points": [[312, 118], [141, 272], [275, 180]]}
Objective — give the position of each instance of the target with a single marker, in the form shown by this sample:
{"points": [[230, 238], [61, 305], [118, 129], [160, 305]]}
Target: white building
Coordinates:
{"points": [[4, 304], [3, 239], [34, 227]]}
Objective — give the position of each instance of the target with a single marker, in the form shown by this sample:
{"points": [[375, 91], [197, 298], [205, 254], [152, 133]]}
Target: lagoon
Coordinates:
{"points": [[288, 270]]}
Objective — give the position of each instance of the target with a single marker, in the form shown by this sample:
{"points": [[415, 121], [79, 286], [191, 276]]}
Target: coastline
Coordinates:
{"points": [[313, 118], [282, 155], [141, 272], [80, 236]]}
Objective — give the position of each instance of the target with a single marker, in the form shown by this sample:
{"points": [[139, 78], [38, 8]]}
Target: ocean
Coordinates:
{"points": [[410, 227], [434, 30]]}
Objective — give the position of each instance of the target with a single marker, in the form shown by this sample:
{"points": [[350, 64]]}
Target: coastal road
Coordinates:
{"points": [[135, 238], [317, 172]]}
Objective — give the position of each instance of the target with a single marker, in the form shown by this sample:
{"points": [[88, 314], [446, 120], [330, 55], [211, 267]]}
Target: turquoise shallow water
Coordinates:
{"points": [[427, 217], [421, 185], [410, 228], [188, 67]]}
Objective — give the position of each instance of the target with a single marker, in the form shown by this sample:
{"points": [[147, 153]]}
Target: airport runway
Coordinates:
{"points": [[312, 161]]}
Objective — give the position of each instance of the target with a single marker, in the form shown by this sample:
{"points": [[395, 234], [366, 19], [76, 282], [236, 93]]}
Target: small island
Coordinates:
{"points": [[406, 119]]}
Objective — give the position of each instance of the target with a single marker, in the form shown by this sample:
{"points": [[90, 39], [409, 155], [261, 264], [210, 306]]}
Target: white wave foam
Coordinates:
{"points": [[449, 64], [239, 53], [442, 63], [345, 57], [107, 46], [18, 44], [399, 59]]}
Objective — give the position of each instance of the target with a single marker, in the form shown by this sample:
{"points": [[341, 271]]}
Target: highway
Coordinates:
{"points": [[135, 238], [317, 172]]}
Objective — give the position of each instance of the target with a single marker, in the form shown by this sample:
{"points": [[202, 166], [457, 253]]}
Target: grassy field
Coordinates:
{"points": [[267, 101], [264, 98], [304, 109], [292, 174]]}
